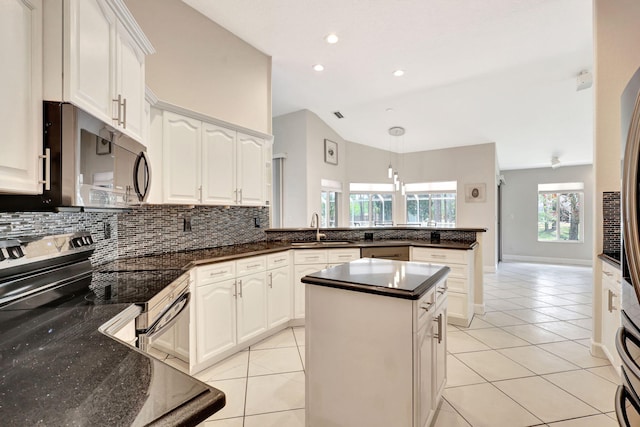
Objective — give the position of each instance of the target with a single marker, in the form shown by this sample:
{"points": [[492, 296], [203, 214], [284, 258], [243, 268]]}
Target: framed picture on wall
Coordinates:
{"points": [[330, 152], [475, 193]]}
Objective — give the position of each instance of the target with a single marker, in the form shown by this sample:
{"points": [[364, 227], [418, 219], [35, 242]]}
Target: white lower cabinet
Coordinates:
{"points": [[460, 282], [405, 337], [611, 320], [251, 303], [279, 296], [307, 261], [215, 318], [238, 303]]}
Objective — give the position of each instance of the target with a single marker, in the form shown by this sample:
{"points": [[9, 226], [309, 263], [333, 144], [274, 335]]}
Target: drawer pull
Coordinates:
{"points": [[280, 260], [253, 266], [426, 306], [345, 256], [312, 257], [443, 290], [218, 273], [606, 273], [438, 256]]}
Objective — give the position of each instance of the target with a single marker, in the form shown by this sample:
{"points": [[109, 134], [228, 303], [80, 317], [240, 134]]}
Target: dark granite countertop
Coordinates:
{"points": [[397, 227], [400, 279], [57, 369], [188, 259], [612, 258]]}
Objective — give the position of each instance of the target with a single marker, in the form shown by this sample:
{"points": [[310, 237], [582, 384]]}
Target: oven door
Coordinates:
{"points": [[627, 401], [165, 321]]}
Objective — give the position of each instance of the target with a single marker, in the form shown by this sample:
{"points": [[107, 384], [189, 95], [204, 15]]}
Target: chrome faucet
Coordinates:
{"points": [[315, 222]]}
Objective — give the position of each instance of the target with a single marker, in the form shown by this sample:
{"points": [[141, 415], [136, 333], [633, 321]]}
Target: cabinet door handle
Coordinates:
{"points": [[610, 301], [439, 321], [235, 289], [47, 168], [124, 113], [200, 193], [271, 280], [118, 101], [240, 288], [240, 191]]}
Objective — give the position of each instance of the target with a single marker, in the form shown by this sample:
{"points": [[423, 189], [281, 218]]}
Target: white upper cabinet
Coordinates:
{"points": [[207, 164], [182, 159], [21, 100], [251, 170], [219, 160], [103, 65]]}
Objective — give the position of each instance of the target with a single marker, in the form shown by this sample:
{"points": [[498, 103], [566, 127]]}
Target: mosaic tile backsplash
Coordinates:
{"points": [[147, 230], [378, 234], [611, 222]]}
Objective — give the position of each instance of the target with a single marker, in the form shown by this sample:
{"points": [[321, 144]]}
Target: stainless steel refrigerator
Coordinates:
{"points": [[627, 400]]}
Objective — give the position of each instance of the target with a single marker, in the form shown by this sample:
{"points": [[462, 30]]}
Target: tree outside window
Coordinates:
{"points": [[431, 209], [560, 216], [370, 209]]}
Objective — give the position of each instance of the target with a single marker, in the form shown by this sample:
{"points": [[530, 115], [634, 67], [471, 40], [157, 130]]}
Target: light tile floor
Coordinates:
{"points": [[525, 362]]}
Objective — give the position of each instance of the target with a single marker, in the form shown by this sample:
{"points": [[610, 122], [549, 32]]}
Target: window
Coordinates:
{"points": [[329, 209], [371, 205], [431, 203], [329, 195], [560, 212]]}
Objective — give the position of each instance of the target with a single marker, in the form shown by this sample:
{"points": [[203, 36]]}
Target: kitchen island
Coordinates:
{"points": [[375, 343]]}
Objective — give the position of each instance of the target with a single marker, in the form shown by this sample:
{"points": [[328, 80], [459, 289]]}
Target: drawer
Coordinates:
{"points": [[339, 256], [455, 284], [215, 273], [442, 256], [611, 272], [310, 256], [459, 271], [277, 260], [251, 265]]}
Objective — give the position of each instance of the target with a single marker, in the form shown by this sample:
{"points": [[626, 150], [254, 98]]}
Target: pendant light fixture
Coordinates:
{"points": [[396, 131]]}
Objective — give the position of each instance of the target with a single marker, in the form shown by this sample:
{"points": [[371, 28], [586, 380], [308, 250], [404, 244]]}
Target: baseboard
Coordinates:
{"points": [[598, 350], [478, 308], [546, 260]]}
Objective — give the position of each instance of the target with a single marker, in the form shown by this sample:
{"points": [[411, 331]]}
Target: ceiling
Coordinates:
{"points": [[500, 71]]}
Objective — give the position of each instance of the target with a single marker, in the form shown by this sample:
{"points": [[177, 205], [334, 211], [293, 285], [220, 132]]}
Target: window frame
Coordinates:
{"points": [[430, 188], [372, 190], [560, 189]]}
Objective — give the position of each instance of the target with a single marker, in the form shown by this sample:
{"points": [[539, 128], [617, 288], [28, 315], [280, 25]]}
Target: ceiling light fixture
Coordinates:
{"points": [[398, 73], [318, 67], [584, 80], [555, 162], [332, 38], [397, 131]]}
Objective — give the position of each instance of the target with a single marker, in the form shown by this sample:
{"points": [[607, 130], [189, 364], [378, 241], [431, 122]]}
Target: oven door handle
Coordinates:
{"points": [[169, 316], [622, 336], [624, 394]]}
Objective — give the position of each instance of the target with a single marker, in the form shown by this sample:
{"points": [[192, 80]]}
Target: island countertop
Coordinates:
{"points": [[399, 279]]}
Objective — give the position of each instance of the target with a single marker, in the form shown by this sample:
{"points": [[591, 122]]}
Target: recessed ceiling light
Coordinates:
{"points": [[318, 67], [398, 73], [332, 39]]}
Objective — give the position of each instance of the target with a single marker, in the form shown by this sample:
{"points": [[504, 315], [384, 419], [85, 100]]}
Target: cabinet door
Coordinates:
{"points": [[279, 296], [611, 320], [251, 170], [298, 287], [130, 85], [90, 80], [215, 307], [181, 159], [21, 100], [423, 375], [218, 165], [252, 306], [440, 353]]}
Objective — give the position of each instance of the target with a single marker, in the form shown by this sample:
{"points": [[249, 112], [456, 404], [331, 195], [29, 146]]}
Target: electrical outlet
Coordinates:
{"points": [[256, 222], [107, 230], [186, 224]]}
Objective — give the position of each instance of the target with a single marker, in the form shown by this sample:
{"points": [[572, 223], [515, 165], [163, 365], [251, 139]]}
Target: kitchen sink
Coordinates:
{"points": [[321, 243]]}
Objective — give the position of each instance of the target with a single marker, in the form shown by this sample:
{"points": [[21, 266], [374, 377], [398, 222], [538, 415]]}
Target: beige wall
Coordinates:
{"points": [[201, 66], [617, 57]]}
